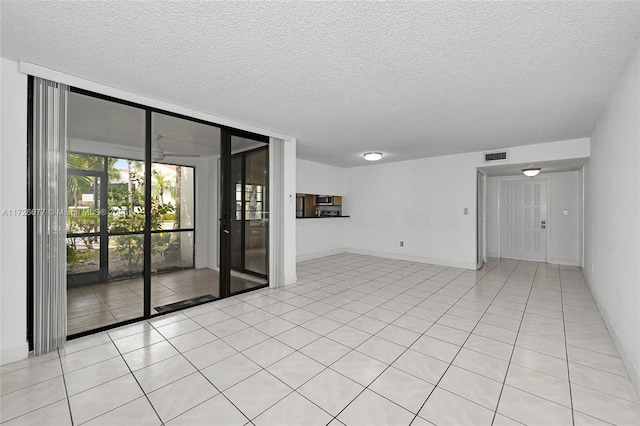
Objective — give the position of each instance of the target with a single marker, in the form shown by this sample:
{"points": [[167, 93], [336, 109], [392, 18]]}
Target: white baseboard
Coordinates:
{"points": [[310, 256], [291, 279], [14, 354], [632, 369], [419, 259], [566, 262], [492, 254]]}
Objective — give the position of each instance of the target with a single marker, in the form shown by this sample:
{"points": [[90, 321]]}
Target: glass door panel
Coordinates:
{"points": [[237, 218], [182, 151], [249, 218], [257, 211], [105, 213]]}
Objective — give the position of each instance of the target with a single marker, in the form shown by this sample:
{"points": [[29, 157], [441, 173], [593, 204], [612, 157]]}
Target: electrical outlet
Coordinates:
{"points": [[466, 211], [401, 243], [566, 212]]}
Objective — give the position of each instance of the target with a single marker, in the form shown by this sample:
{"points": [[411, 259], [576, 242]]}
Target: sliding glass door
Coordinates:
{"points": [[163, 212]]}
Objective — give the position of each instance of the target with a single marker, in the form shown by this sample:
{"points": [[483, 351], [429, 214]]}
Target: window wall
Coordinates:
{"points": [[136, 178]]}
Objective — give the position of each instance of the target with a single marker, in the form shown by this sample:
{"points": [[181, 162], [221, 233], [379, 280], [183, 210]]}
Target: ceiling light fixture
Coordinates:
{"points": [[372, 156], [531, 171]]}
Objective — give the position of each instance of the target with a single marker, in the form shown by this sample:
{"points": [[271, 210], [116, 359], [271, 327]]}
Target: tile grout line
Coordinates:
{"points": [[506, 374], [566, 349], [461, 346], [66, 391], [137, 382]]}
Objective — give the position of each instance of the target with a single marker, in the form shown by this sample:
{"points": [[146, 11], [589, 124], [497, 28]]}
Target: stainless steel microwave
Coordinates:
{"points": [[324, 200]]}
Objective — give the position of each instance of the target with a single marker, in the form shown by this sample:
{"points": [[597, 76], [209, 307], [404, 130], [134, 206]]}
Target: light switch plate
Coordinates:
{"points": [[466, 211]]}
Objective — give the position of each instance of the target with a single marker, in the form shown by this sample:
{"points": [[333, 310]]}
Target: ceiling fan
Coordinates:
{"points": [[159, 154]]}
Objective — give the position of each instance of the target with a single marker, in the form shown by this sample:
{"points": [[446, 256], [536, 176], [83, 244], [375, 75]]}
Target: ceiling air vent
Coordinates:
{"points": [[495, 156]]}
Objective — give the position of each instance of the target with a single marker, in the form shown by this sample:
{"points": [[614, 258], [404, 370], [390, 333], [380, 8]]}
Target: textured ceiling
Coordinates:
{"points": [[410, 79]]}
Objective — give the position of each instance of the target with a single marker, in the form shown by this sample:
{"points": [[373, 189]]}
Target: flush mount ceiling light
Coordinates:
{"points": [[531, 171], [372, 156]]}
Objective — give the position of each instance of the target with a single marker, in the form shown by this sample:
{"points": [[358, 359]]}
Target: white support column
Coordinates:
{"points": [[282, 217], [290, 250]]}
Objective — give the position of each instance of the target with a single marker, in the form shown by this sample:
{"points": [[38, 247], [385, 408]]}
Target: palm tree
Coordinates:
{"points": [[162, 183], [76, 184]]}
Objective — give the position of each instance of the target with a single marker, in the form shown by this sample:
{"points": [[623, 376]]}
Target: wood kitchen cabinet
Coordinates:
{"points": [[306, 203]]}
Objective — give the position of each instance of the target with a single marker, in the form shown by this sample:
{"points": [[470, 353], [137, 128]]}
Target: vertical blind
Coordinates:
{"points": [[277, 207], [50, 102]]}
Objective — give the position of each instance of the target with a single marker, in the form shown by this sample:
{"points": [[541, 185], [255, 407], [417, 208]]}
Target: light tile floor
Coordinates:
{"points": [[358, 341], [93, 306]]}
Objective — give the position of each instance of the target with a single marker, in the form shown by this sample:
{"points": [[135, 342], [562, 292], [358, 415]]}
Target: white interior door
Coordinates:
{"points": [[523, 219]]}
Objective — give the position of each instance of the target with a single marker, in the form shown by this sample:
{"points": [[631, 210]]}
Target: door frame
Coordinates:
{"points": [[243, 220], [228, 209], [547, 180], [481, 222]]}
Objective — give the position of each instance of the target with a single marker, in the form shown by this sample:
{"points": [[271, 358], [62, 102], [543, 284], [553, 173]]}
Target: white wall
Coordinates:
{"points": [[317, 178], [320, 237], [563, 231], [612, 216], [324, 236], [13, 195], [206, 184], [421, 203]]}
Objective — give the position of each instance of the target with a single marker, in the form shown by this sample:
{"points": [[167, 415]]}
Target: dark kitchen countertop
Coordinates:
{"points": [[321, 217]]}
